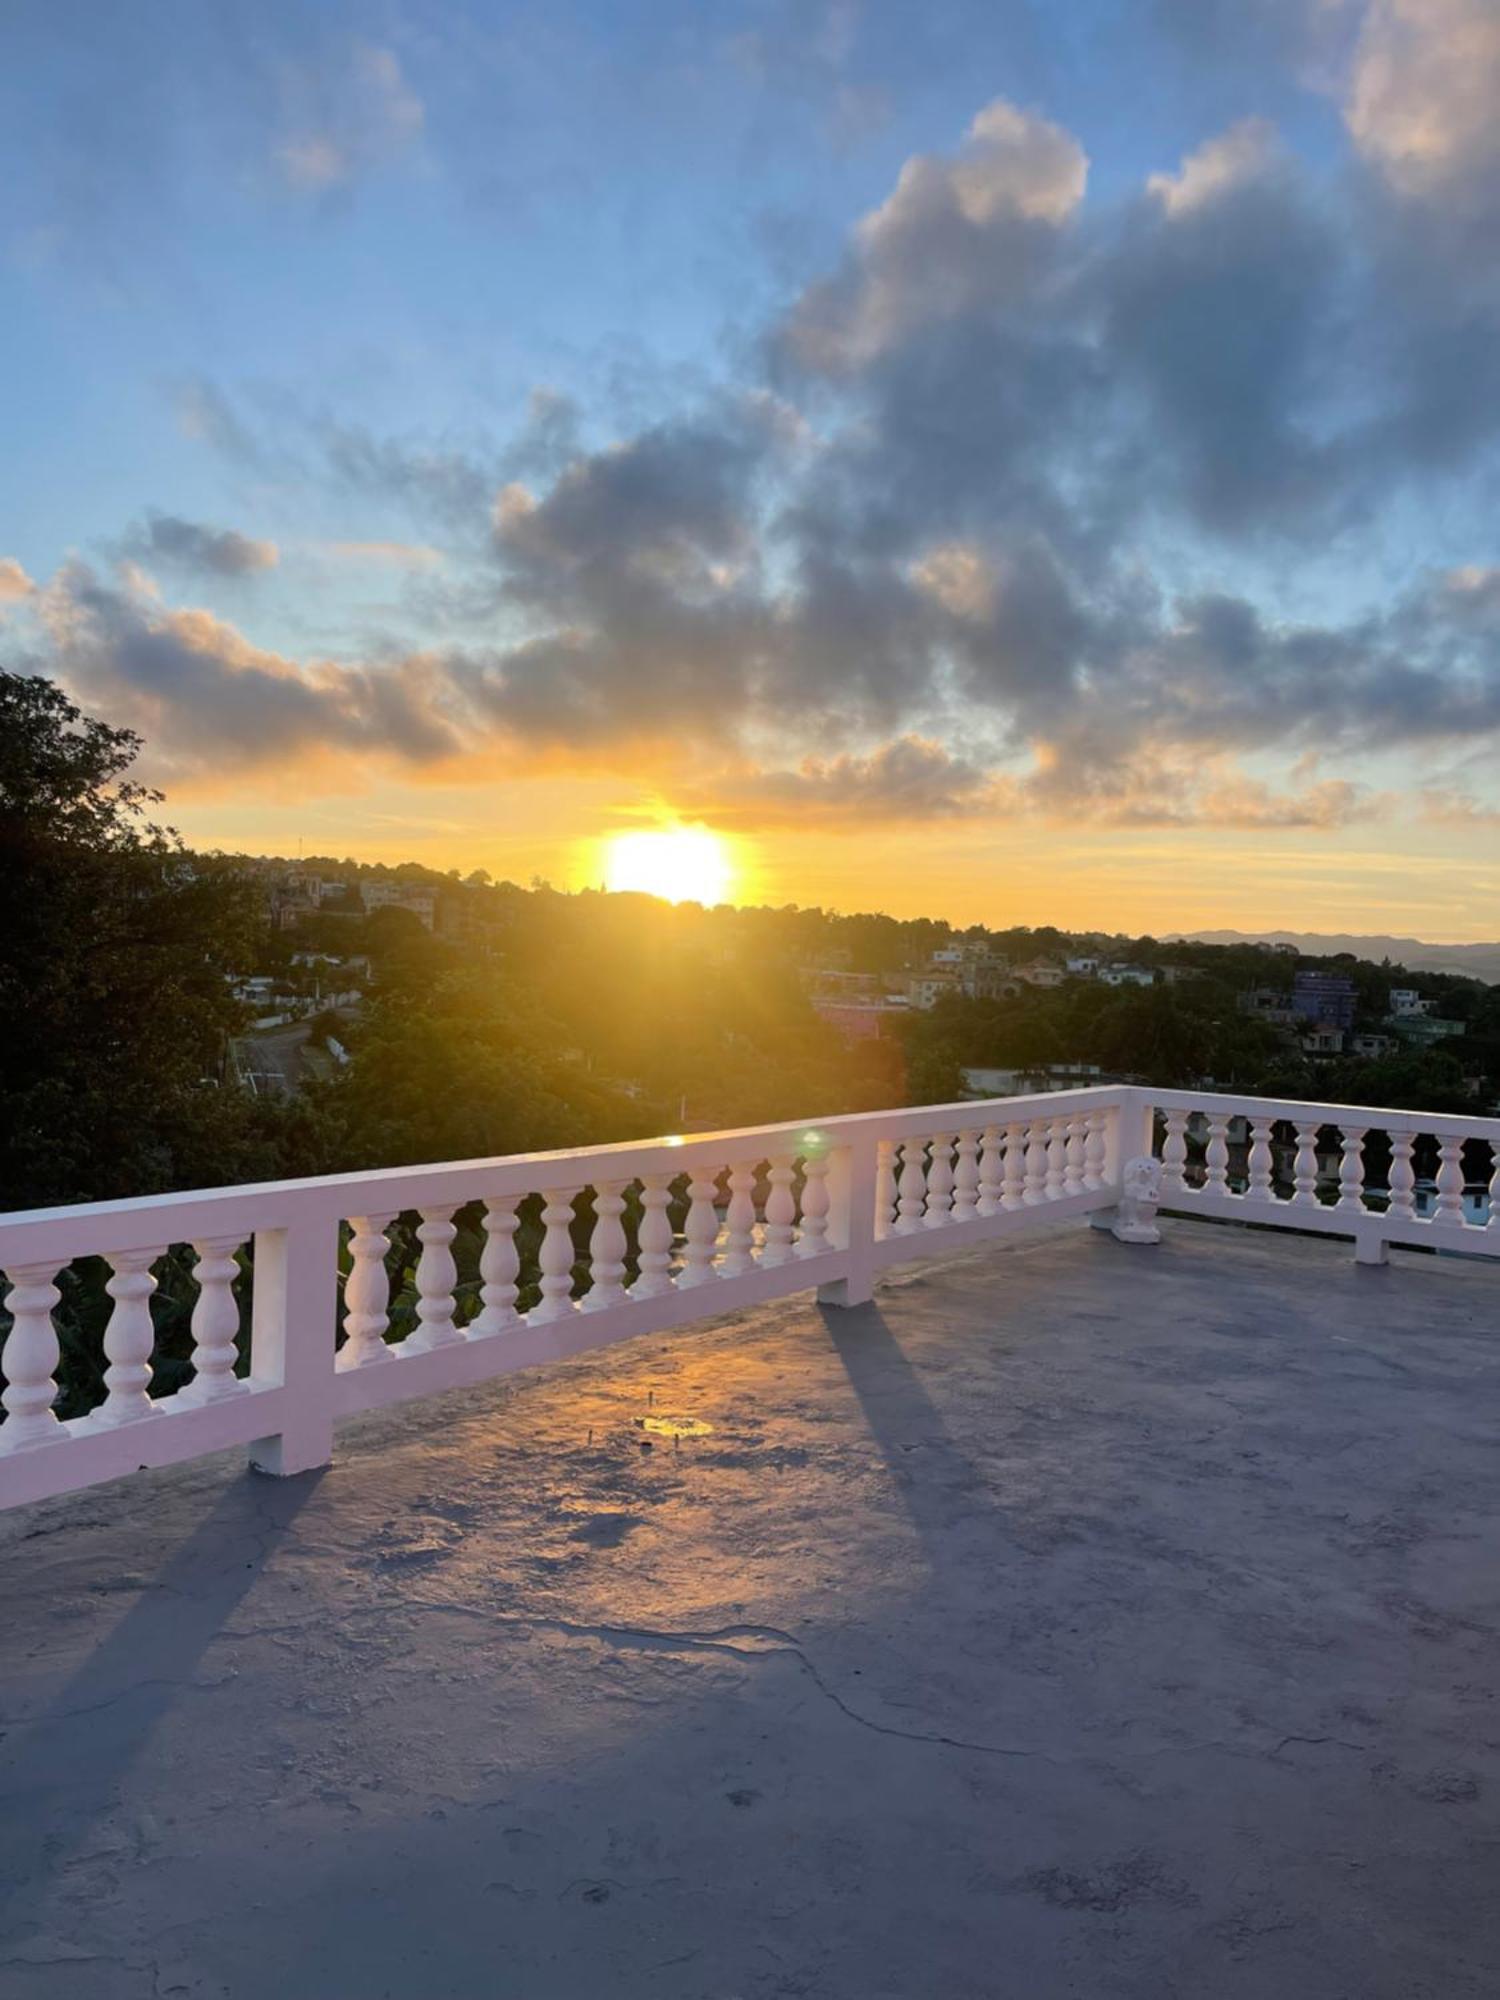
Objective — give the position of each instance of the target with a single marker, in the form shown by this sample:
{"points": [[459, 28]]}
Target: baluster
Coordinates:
{"points": [[1262, 1161], [128, 1341], [216, 1321], [940, 1183], [1174, 1154], [556, 1257], [913, 1187], [1036, 1163], [436, 1276], [1073, 1157], [607, 1248], [885, 1188], [1352, 1168], [813, 1240], [1057, 1157], [29, 1359], [1013, 1183], [1403, 1178], [1305, 1166], [778, 1246], [966, 1178], [1450, 1180], [1095, 1150], [367, 1291], [655, 1280], [739, 1221], [991, 1171], [499, 1267], [1216, 1155], [700, 1233]]}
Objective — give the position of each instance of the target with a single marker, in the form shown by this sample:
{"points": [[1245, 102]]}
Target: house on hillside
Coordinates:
{"points": [[1325, 999], [1372, 1047], [1041, 972], [1266, 1003], [1126, 975], [1323, 1040]]}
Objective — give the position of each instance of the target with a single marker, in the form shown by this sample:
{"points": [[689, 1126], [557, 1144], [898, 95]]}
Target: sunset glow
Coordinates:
{"points": [[836, 550], [681, 864]]}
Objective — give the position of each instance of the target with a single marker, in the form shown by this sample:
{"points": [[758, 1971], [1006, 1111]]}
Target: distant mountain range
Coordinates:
{"points": [[1479, 961]]}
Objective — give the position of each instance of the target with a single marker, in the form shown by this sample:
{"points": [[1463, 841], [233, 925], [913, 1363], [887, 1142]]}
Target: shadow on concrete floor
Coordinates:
{"points": [[934, 1476], [137, 1674]]}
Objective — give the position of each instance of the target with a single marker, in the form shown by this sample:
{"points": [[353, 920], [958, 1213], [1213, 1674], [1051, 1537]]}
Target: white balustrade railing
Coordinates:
{"points": [[681, 1229], [1380, 1177]]}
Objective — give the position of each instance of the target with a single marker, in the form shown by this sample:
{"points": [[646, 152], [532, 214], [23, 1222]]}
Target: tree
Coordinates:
{"points": [[115, 995]]}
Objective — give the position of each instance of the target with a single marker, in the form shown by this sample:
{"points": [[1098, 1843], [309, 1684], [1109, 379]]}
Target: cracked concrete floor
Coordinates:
{"points": [[1075, 1621]]}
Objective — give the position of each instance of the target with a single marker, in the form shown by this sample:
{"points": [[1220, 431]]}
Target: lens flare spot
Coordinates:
{"points": [[675, 1427]]}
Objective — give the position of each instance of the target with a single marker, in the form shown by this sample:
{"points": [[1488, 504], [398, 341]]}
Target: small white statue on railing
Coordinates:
{"points": [[1140, 1191]]}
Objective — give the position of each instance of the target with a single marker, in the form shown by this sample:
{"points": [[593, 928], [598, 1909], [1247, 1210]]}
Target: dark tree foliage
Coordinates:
{"points": [[114, 1003]]}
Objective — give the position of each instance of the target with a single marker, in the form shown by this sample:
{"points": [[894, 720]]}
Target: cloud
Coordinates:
{"points": [[977, 226], [1219, 305], [671, 503], [205, 698], [1447, 806], [989, 536], [343, 120], [910, 778], [15, 584], [805, 50], [1239, 801], [390, 555], [448, 482], [916, 779], [1025, 698], [1423, 99], [189, 545], [1240, 155], [959, 577]]}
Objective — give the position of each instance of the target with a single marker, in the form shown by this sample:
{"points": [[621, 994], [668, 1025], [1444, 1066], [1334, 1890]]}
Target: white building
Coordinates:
{"points": [[1324, 1041], [927, 988], [1372, 1045], [1126, 975], [402, 896]]}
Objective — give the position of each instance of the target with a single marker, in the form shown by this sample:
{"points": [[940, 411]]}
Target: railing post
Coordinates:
{"points": [[851, 1220], [1131, 1135], [1370, 1246], [292, 1340]]}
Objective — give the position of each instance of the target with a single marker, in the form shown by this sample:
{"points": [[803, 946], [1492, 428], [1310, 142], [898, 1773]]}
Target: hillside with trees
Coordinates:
{"points": [[495, 1018]]}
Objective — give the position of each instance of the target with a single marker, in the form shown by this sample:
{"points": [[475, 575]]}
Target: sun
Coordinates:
{"points": [[681, 864]]}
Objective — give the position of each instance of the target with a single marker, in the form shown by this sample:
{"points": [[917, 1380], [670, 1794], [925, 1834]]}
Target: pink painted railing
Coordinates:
{"points": [[764, 1212]]}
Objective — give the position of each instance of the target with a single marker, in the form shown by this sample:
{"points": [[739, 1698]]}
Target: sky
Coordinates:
{"points": [[1001, 461]]}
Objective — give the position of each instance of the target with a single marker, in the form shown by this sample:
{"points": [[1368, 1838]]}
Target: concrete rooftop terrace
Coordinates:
{"points": [[1076, 1620]]}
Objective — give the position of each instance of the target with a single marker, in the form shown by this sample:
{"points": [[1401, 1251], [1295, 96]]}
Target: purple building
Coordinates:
{"points": [[1326, 998]]}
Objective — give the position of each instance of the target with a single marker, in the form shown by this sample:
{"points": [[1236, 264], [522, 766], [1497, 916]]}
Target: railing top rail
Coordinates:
{"points": [[88, 1228], [99, 1228], [1369, 1117]]}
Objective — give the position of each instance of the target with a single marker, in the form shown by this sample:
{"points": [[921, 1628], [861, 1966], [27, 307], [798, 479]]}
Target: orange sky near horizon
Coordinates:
{"points": [[1398, 877]]}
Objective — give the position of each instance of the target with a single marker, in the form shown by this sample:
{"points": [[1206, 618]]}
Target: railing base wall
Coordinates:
{"points": [[1371, 1233]]}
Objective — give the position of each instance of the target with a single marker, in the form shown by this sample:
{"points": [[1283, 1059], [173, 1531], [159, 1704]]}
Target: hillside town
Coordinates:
{"points": [[889, 992], [1315, 1013]]}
